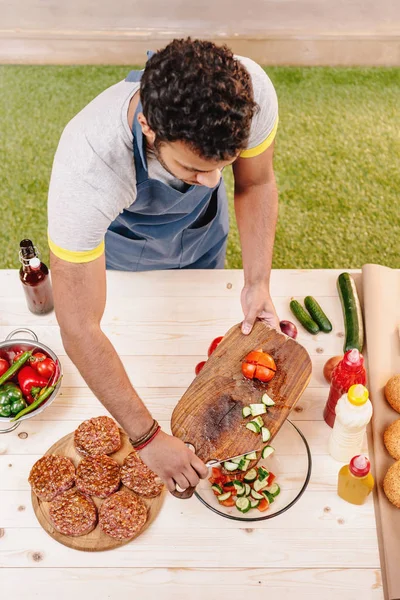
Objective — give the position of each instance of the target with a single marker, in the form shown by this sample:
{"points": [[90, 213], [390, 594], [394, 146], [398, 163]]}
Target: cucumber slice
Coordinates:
{"points": [[230, 466], [262, 473], [229, 484], [243, 465], [236, 460], [256, 495], [246, 411], [247, 489], [254, 503], [303, 316], [259, 485], [217, 488], [251, 475], [266, 434], [224, 497], [268, 496], [259, 421], [274, 490], [253, 426], [353, 319], [267, 400], [258, 409], [251, 456], [239, 486], [243, 504], [317, 314], [267, 451]]}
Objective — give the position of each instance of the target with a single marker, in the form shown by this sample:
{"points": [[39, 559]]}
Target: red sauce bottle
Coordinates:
{"points": [[35, 279], [348, 372]]}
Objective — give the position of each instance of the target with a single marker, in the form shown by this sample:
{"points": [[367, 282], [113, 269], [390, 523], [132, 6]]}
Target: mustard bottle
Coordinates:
{"points": [[355, 481]]}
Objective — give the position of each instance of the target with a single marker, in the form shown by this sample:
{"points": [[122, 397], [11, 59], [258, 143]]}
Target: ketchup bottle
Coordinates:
{"points": [[350, 371], [35, 279]]}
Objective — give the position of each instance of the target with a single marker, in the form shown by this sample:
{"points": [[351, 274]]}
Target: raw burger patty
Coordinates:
{"points": [[51, 475], [73, 513], [98, 476], [97, 436], [136, 476], [122, 515]]}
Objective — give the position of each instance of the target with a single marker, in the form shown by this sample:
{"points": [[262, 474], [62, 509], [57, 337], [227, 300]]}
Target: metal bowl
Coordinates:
{"points": [[25, 344]]}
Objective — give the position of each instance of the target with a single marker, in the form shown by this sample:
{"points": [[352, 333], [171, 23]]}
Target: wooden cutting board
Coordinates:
{"points": [[209, 414], [96, 540]]}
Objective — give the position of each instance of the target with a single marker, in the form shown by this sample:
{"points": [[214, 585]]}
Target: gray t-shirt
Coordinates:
{"points": [[93, 176]]}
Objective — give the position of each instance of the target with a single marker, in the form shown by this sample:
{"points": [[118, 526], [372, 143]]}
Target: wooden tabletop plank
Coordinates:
{"points": [[196, 584], [196, 547]]}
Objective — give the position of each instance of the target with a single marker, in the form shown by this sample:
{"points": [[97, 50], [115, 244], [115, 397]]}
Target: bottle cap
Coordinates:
{"points": [[359, 466], [358, 395], [353, 359], [35, 263]]}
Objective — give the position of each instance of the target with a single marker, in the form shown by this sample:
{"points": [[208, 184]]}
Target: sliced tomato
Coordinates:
{"points": [[214, 344], [271, 479], [199, 367], [229, 502], [216, 472], [248, 370], [264, 374], [262, 359], [264, 505]]}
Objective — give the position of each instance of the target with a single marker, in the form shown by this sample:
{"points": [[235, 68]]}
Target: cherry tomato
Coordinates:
{"points": [[36, 359], [264, 505], [4, 366], [17, 354], [229, 502], [248, 370], [46, 367], [214, 344], [199, 366]]}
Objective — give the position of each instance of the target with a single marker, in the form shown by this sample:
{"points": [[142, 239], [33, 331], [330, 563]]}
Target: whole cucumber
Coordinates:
{"points": [[317, 314], [352, 314], [303, 317]]}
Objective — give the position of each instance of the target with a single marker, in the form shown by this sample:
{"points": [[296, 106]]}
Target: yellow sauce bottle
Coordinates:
{"points": [[355, 481]]}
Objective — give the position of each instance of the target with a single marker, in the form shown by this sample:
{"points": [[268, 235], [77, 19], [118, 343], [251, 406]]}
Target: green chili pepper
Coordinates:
{"points": [[11, 400], [42, 397], [15, 367]]}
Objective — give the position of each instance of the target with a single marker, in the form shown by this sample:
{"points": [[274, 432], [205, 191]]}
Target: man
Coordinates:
{"points": [[136, 185]]}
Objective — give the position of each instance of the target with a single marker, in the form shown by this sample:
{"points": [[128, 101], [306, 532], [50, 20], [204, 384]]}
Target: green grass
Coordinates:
{"points": [[336, 160]]}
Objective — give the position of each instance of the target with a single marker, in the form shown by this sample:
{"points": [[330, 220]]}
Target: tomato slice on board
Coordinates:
{"points": [[262, 359], [248, 370], [263, 374], [264, 505]]}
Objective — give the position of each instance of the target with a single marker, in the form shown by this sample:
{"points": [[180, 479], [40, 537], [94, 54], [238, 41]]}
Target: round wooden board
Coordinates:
{"points": [[96, 540]]}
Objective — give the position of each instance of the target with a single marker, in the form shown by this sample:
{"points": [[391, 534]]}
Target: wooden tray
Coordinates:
{"points": [[96, 540], [209, 414]]}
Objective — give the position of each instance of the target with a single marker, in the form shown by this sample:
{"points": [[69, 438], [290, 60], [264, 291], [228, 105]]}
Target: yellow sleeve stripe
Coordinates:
{"points": [[251, 152], [76, 257]]}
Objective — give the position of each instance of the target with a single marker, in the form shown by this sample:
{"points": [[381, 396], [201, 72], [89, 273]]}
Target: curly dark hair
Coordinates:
{"points": [[196, 92]]}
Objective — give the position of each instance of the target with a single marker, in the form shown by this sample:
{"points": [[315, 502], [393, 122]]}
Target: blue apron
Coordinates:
{"points": [[165, 228]]}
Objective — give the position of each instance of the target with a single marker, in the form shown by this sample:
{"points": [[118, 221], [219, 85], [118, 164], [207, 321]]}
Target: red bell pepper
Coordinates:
{"points": [[31, 383]]}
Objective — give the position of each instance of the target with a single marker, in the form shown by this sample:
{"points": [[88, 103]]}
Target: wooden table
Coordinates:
{"points": [[322, 548]]}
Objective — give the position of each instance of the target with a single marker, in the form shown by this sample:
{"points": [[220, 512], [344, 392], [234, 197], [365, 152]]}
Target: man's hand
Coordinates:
{"points": [[174, 462], [257, 304]]}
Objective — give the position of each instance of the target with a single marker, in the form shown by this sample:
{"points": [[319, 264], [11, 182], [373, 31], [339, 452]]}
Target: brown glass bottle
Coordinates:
{"points": [[35, 280]]}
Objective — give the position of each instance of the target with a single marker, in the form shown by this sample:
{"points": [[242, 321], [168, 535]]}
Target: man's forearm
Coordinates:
{"points": [[99, 364], [256, 214]]}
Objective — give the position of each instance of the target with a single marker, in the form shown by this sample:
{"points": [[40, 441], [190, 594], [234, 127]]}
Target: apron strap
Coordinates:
{"points": [[139, 152]]}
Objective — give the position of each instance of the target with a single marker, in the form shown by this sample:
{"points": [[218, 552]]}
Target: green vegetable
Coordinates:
{"points": [[243, 504], [268, 496], [259, 485], [246, 412], [256, 495], [267, 400], [267, 451], [352, 314], [224, 497], [230, 466], [317, 314], [266, 434], [262, 473], [251, 456], [258, 409], [259, 421], [250, 476], [244, 465], [217, 488], [304, 317], [43, 396], [15, 367], [274, 490], [11, 400], [253, 426]]}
